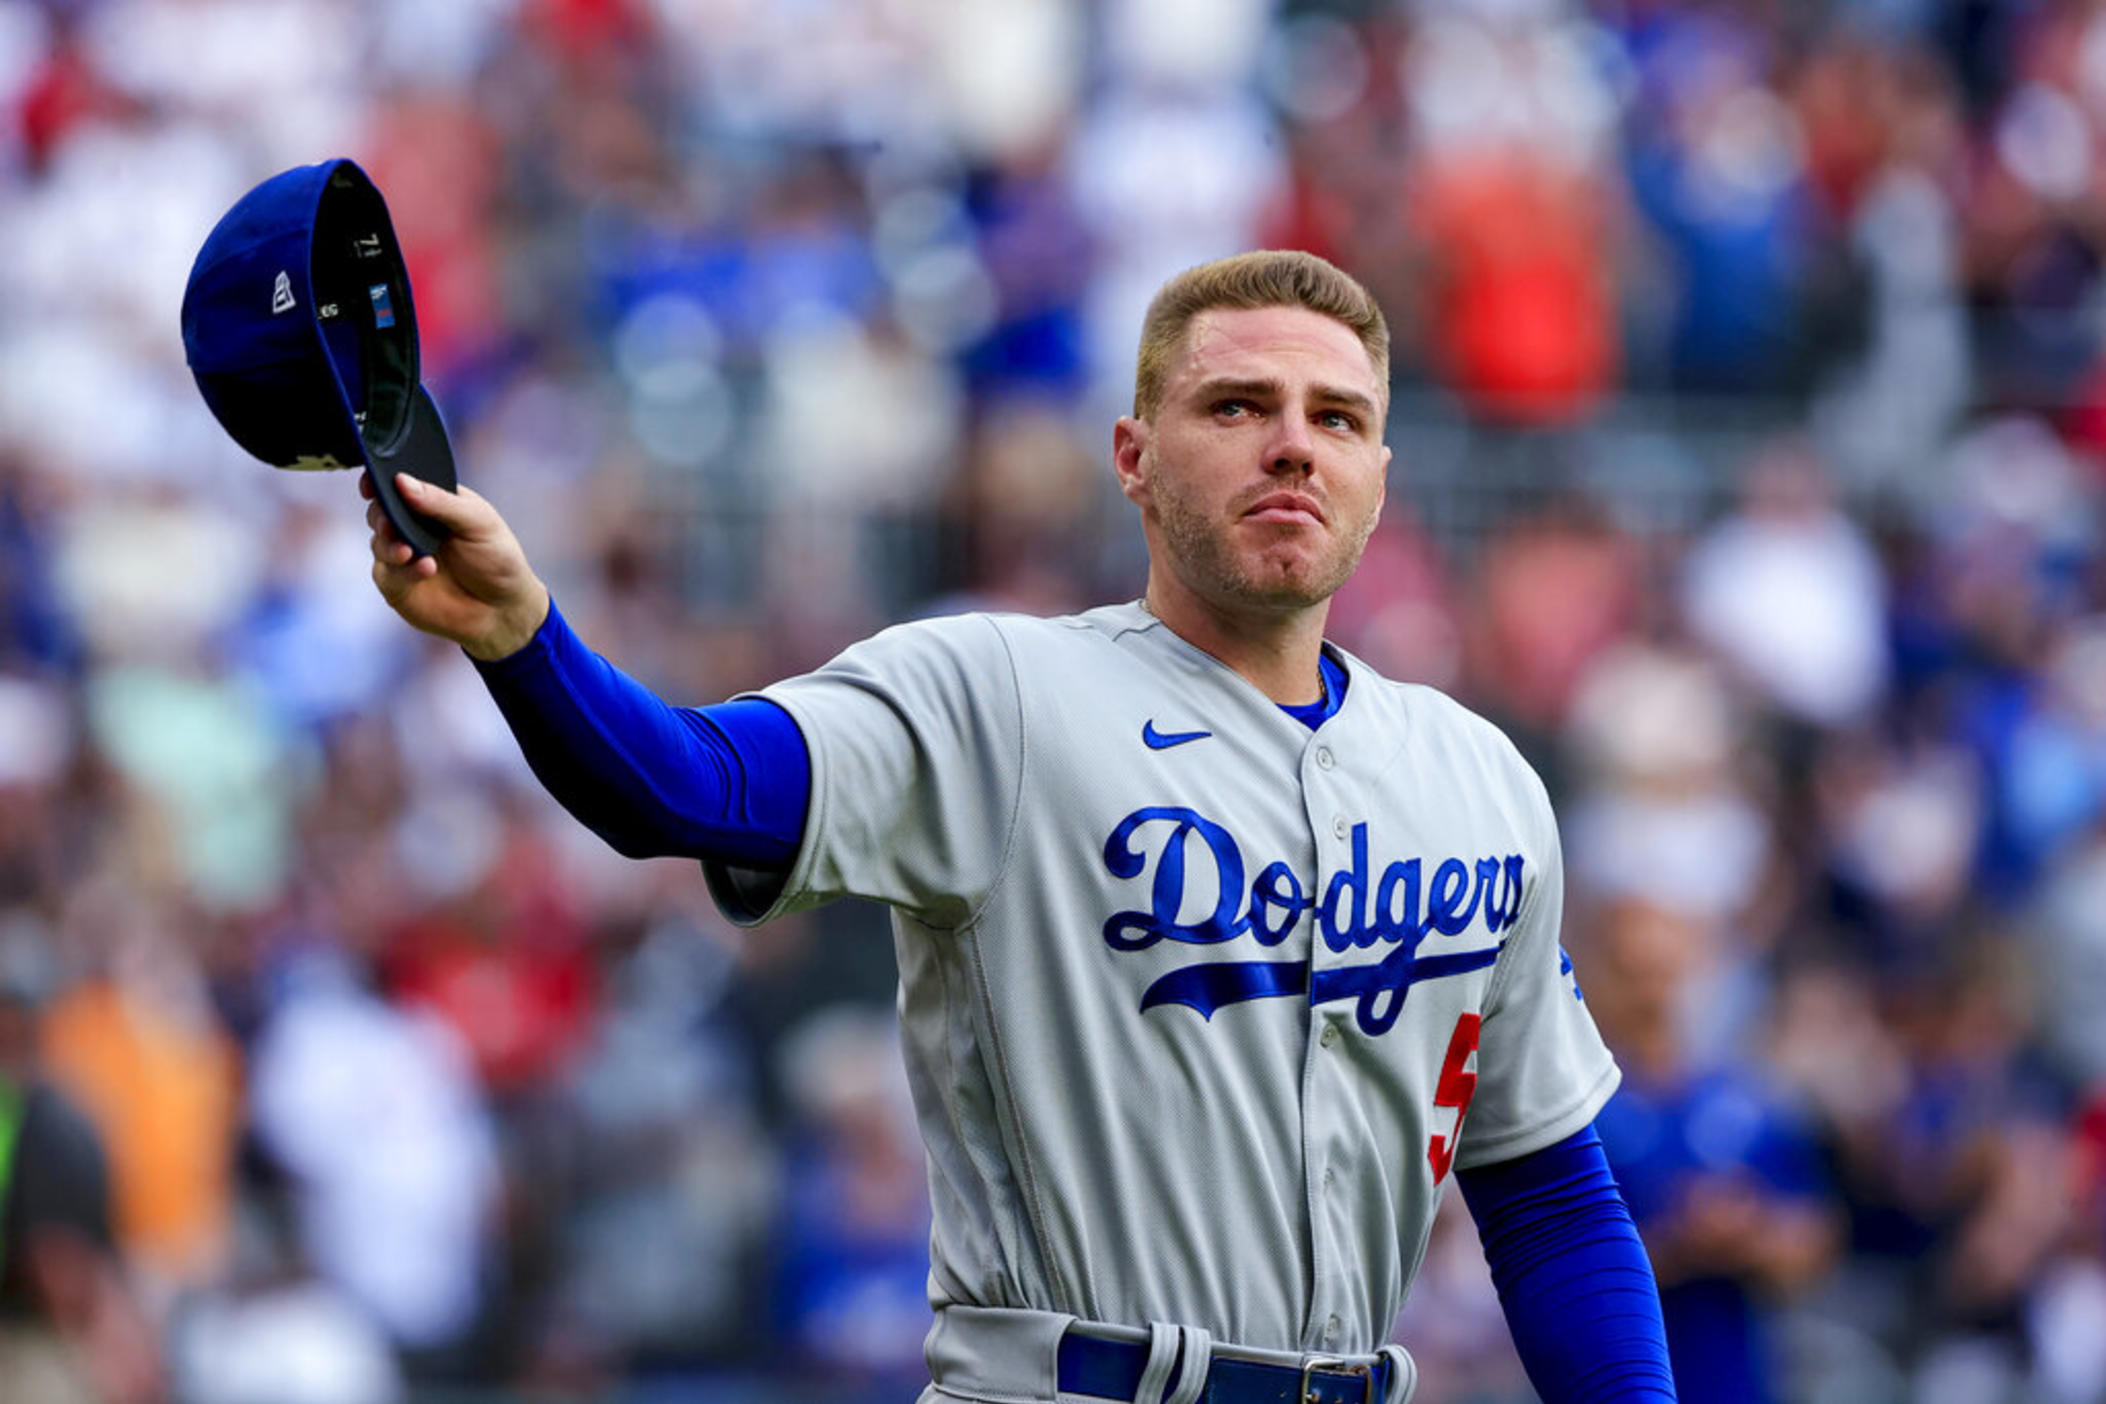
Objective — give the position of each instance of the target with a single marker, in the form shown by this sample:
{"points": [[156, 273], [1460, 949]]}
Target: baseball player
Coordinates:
{"points": [[1218, 951]]}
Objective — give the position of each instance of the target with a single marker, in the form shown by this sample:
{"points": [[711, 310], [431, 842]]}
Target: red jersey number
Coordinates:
{"points": [[1456, 1088]]}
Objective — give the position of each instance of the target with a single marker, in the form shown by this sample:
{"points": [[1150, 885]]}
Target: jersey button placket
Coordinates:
{"points": [[1328, 1112]]}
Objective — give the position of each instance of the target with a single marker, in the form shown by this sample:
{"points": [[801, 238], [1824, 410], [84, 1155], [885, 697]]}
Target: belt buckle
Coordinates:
{"points": [[1332, 1365]]}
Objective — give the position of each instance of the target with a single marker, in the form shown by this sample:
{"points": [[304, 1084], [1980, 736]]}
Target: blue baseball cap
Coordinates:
{"points": [[299, 329]]}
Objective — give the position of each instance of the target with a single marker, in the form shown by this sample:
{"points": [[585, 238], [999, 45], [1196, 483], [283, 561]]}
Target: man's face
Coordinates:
{"points": [[1261, 474]]}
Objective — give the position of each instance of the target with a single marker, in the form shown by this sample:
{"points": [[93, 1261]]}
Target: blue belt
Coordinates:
{"points": [[1112, 1370]]}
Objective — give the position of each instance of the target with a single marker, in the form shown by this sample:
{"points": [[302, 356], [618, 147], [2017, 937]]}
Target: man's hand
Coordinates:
{"points": [[1727, 1226], [477, 590]]}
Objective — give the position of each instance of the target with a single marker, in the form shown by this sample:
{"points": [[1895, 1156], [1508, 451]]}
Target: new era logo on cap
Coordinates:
{"points": [[281, 293]]}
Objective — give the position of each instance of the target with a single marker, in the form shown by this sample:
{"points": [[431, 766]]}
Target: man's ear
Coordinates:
{"points": [[1129, 454]]}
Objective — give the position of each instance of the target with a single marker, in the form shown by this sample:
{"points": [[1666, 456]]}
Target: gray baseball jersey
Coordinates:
{"points": [[1200, 1007]]}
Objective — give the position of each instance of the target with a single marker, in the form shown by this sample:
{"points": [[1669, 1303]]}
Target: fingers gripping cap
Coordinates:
{"points": [[299, 329]]}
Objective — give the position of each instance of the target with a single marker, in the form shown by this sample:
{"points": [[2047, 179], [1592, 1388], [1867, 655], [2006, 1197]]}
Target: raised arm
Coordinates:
{"points": [[727, 783]]}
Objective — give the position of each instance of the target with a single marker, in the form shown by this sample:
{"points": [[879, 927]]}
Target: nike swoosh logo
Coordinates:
{"points": [[1164, 740]]}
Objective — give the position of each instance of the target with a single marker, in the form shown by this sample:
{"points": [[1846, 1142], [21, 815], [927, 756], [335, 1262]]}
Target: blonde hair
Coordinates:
{"points": [[1264, 278]]}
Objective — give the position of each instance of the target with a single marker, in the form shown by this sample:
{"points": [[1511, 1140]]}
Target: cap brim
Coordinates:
{"points": [[422, 451]]}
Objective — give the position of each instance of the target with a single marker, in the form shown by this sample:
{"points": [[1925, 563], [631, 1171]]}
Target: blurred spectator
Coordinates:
{"points": [[1788, 591], [1898, 830], [1514, 207], [37, 748], [1025, 503], [1552, 591], [1717, 165], [35, 631], [317, 653], [2067, 946], [497, 949], [1399, 609], [660, 1179], [72, 1330], [2008, 534], [854, 1267], [1036, 249], [2053, 782], [1722, 1175], [372, 1113], [1953, 1162], [274, 1333], [1660, 813], [1886, 146], [2033, 253], [2072, 1359], [1173, 162], [138, 1045]]}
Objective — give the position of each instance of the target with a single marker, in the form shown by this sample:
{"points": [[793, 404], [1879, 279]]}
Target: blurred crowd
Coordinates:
{"points": [[337, 1067]]}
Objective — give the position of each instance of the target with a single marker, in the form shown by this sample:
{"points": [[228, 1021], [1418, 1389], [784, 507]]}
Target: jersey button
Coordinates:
{"points": [[1323, 757], [1339, 826], [1331, 1329], [1329, 1036], [1330, 1178]]}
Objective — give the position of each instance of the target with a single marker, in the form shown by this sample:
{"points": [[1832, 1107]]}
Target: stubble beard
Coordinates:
{"points": [[1205, 557]]}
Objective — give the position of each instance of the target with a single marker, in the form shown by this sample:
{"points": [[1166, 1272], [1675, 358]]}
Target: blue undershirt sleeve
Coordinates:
{"points": [[1573, 1276], [728, 783]]}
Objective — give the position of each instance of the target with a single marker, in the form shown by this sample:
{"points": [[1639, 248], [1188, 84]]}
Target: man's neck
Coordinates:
{"points": [[1276, 651]]}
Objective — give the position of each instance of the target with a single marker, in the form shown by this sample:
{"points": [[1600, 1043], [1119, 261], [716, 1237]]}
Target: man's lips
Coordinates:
{"points": [[1284, 507]]}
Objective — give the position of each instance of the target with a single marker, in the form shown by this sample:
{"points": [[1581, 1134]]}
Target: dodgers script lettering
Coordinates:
{"points": [[1409, 900]]}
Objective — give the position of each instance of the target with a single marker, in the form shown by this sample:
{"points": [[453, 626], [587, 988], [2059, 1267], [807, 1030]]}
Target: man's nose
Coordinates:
{"points": [[1293, 447]]}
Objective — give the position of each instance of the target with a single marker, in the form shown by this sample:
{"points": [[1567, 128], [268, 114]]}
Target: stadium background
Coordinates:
{"points": [[1748, 438]]}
